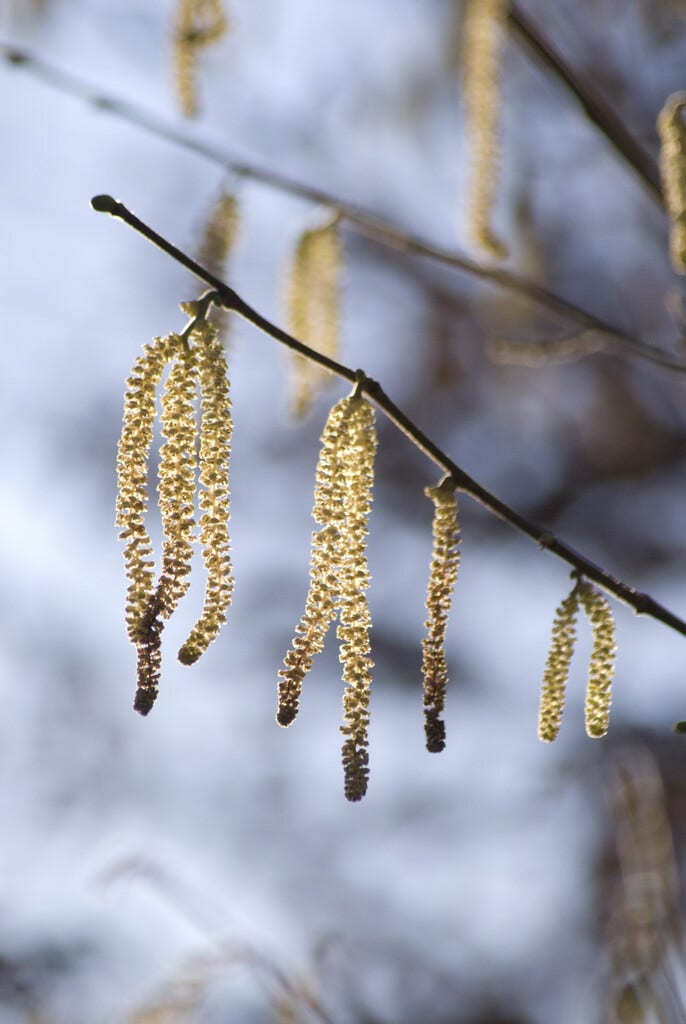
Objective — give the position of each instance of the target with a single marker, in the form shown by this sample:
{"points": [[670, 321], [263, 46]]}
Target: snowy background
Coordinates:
{"points": [[202, 864]]}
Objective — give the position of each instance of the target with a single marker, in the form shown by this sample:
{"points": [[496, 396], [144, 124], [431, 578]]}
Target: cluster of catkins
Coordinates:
{"points": [[339, 573]]}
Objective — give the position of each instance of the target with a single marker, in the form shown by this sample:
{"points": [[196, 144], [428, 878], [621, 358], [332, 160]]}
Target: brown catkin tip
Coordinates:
{"points": [[445, 560], [313, 313], [197, 24], [483, 32], [557, 668], [602, 664], [216, 429], [672, 132]]}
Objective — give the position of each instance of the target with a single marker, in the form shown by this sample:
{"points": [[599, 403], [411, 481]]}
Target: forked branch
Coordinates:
{"points": [[642, 603]]}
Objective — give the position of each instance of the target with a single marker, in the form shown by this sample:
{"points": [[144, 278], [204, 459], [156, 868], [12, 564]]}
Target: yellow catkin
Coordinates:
{"points": [[672, 131], [142, 613], [215, 448], [132, 476], [322, 597], [339, 578], [218, 239], [443, 576], [357, 458], [602, 664], [313, 316], [197, 24], [176, 486], [557, 668], [483, 32]]}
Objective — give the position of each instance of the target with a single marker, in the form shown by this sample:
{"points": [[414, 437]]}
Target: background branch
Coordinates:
{"points": [[615, 341]]}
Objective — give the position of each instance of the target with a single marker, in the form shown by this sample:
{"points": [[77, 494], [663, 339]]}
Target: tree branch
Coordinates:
{"points": [[615, 340], [598, 110], [642, 604]]}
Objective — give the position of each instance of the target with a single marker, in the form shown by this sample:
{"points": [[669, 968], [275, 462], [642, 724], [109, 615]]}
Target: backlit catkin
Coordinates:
{"points": [[339, 578], [357, 459], [313, 315], [483, 31], [602, 664], [197, 24], [443, 576], [672, 131], [215, 448], [557, 667]]}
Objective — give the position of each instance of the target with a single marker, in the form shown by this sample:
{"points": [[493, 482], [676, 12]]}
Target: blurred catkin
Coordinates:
{"points": [[197, 24], [672, 131], [557, 668], [312, 301], [602, 664], [215, 448], [482, 38], [216, 244], [445, 560]]}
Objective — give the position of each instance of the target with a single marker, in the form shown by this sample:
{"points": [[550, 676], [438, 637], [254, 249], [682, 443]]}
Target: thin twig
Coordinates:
{"points": [[616, 341], [642, 604], [526, 31]]}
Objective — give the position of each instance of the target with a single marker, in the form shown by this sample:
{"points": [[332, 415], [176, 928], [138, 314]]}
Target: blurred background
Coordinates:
{"points": [[202, 864]]}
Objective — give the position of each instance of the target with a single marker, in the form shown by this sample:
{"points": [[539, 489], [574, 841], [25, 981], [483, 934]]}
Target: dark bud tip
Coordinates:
{"points": [[16, 57], [286, 715], [104, 204], [680, 727], [144, 701]]}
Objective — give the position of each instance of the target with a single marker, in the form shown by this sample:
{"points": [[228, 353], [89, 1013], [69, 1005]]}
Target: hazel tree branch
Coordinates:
{"points": [[598, 110], [642, 603], [612, 340]]}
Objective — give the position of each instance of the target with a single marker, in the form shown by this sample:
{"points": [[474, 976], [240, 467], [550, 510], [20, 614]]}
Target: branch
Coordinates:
{"points": [[615, 341], [642, 604], [598, 110]]}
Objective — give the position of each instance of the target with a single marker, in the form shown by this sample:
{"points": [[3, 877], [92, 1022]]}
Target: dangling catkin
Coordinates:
{"points": [[132, 476], [557, 668], [672, 131], [483, 31], [197, 24], [176, 486], [445, 560], [602, 664], [322, 597], [357, 453], [215, 448], [339, 578], [313, 315]]}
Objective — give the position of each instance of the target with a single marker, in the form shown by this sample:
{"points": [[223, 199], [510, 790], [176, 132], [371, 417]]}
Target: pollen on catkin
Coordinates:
{"points": [[445, 560], [672, 131], [602, 664], [176, 486], [557, 668], [483, 30], [313, 314], [132, 477], [322, 598], [215, 447], [339, 578], [197, 24], [357, 453]]}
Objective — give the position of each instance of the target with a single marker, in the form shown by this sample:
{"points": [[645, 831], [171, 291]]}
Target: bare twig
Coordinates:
{"points": [[615, 341], [525, 29], [642, 604]]}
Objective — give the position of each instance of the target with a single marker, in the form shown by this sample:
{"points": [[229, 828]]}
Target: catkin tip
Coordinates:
{"points": [[285, 716], [144, 700]]}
